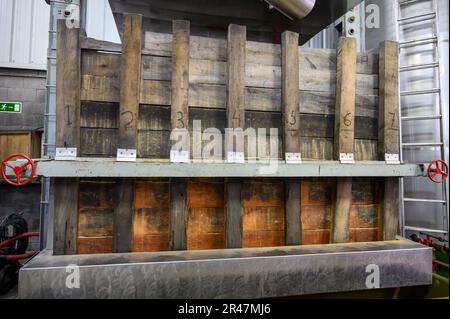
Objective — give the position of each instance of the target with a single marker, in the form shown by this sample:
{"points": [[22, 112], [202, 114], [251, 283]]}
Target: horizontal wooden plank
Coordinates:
{"points": [[95, 222], [364, 216], [154, 118], [257, 99], [100, 64], [94, 245], [160, 44], [257, 75], [99, 115], [205, 227], [260, 193], [98, 142], [316, 237], [316, 217], [153, 144]]}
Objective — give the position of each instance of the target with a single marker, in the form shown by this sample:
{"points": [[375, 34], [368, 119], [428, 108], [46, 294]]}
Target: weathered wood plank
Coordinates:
{"points": [[151, 216], [178, 214], [159, 44], [180, 75], [389, 139], [263, 213], [291, 132], [179, 121], [236, 57], [128, 125], [206, 219], [98, 142], [344, 139], [99, 115], [67, 135], [256, 99]]}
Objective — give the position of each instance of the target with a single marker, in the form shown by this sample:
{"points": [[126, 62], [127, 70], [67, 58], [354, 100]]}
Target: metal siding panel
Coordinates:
{"points": [[24, 27], [100, 22], [6, 7]]}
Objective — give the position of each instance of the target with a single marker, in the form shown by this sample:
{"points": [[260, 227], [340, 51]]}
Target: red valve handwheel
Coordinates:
{"points": [[438, 168], [18, 170]]}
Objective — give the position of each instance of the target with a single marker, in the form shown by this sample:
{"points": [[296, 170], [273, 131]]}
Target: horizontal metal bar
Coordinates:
{"points": [[422, 144], [229, 273], [407, 2], [421, 17], [144, 168], [418, 42], [420, 92], [419, 67], [421, 118], [421, 200], [427, 230]]}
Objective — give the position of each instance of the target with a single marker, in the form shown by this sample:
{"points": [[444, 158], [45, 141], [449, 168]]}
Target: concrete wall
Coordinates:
{"points": [[28, 87]]}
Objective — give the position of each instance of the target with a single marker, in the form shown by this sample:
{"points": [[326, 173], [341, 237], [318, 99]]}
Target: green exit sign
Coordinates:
{"points": [[10, 107]]}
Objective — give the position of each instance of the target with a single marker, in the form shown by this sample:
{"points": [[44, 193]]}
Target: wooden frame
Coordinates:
{"points": [[165, 80]]}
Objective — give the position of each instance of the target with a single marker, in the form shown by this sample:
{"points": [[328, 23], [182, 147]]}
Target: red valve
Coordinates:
{"points": [[438, 168], [18, 170]]}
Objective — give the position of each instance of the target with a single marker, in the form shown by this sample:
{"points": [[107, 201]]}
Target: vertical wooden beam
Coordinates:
{"points": [[389, 137], [67, 135], [129, 114], [179, 120], [237, 37], [291, 131], [344, 134]]}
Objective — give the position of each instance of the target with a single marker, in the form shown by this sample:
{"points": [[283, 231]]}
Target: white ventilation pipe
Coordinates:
{"points": [[293, 8]]}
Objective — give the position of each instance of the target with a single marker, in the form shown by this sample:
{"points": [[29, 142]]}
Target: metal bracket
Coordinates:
{"points": [[347, 158], [393, 159], [293, 158], [179, 157], [236, 157], [66, 154], [124, 155]]}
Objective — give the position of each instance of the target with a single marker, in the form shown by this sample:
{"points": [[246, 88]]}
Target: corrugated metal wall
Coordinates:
{"points": [[23, 33], [100, 21]]}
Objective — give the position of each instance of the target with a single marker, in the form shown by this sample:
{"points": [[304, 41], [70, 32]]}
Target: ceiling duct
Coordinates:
{"points": [[297, 9]]}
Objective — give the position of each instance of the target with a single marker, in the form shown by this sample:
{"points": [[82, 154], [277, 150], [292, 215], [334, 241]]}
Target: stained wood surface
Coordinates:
{"points": [[236, 118], [389, 139], [151, 216], [178, 214], [206, 218], [128, 124], [95, 217], [263, 213], [344, 139], [67, 135]]}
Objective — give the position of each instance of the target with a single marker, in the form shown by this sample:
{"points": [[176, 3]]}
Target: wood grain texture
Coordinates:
{"points": [[95, 217], [130, 81], [67, 135], [180, 75], [206, 219], [235, 67], [389, 138], [151, 216], [291, 131], [128, 124], [316, 207], [263, 221], [66, 216], [344, 139], [178, 214]]}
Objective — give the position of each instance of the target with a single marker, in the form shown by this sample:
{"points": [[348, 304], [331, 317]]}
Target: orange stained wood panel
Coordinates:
{"points": [[263, 222], [151, 216], [316, 209], [206, 218], [95, 217]]}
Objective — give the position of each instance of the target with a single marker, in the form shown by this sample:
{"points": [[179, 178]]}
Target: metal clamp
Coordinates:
{"points": [[124, 155], [293, 158], [347, 158], [393, 159], [180, 157], [66, 154]]}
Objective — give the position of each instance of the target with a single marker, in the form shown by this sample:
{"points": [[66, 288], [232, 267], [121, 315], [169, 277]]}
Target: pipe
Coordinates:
{"points": [[293, 8]]}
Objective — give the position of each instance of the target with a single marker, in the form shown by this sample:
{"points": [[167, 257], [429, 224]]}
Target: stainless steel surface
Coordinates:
{"points": [[212, 17], [421, 229], [142, 168], [294, 8], [235, 273]]}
